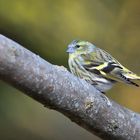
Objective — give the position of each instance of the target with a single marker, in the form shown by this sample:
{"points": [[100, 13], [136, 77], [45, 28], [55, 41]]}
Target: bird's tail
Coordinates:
{"points": [[129, 76]]}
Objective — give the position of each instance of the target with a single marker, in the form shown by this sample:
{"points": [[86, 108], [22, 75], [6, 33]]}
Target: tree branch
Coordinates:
{"points": [[56, 88]]}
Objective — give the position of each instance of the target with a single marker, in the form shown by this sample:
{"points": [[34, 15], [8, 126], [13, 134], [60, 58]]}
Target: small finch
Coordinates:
{"points": [[97, 67]]}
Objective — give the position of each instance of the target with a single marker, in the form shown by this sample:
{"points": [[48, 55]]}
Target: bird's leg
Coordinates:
{"points": [[106, 98]]}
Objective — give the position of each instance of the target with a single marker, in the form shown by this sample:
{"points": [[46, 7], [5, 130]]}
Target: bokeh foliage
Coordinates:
{"points": [[46, 27]]}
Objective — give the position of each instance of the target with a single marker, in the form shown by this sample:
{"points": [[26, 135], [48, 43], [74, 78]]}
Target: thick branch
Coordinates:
{"points": [[56, 88]]}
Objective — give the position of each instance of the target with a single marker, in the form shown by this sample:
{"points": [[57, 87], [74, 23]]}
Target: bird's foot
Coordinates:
{"points": [[106, 99]]}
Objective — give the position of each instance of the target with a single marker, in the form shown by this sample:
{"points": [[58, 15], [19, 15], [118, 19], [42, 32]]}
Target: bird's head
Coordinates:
{"points": [[78, 47]]}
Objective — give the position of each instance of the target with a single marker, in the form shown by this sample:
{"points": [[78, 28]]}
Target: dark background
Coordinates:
{"points": [[46, 27]]}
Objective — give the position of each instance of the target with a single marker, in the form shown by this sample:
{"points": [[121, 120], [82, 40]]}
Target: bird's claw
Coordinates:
{"points": [[106, 99]]}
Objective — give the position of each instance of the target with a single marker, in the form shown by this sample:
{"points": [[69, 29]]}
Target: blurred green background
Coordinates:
{"points": [[46, 27]]}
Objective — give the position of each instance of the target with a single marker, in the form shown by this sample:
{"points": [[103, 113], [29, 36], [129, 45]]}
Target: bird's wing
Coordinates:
{"points": [[102, 63]]}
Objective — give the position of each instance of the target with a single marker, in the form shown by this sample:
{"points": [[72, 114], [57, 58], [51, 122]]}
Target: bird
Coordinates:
{"points": [[97, 67]]}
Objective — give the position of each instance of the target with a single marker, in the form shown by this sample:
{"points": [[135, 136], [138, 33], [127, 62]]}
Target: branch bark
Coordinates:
{"points": [[56, 88]]}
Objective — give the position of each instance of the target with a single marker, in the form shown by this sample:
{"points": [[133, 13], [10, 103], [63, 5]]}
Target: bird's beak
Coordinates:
{"points": [[70, 50]]}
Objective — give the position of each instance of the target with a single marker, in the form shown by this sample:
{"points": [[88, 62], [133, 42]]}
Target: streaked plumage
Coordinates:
{"points": [[97, 67]]}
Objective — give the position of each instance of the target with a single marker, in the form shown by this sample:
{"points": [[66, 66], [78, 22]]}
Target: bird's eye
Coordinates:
{"points": [[77, 46]]}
